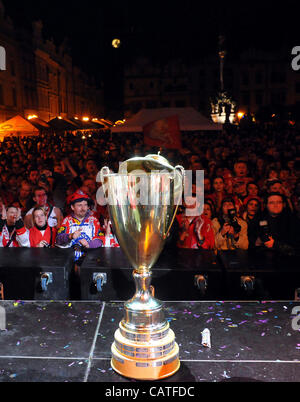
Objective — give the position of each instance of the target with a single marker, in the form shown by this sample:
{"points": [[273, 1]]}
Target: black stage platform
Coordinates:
{"points": [[275, 276], [22, 268], [177, 275], [69, 341], [173, 275]]}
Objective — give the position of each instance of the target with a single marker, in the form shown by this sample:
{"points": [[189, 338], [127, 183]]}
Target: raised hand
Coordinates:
{"points": [[19, 214], [3, 213]]}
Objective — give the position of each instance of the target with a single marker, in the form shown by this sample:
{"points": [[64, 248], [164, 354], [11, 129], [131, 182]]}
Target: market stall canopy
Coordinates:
{"points": [[18, 125], [87, 125], [39, 124], [189, 120], [62, 124], [107, 123]]}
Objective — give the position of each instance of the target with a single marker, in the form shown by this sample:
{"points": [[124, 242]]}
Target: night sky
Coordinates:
{"points": [[159, 29]]}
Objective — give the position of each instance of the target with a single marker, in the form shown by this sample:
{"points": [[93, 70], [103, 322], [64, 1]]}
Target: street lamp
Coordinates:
{"points": [[222, 106], [116, 43]]}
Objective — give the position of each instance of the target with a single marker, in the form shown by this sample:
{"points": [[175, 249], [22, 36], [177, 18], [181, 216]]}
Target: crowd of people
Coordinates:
{"points": [[251, 189]]}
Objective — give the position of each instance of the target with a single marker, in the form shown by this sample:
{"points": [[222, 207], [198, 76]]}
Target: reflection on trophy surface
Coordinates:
{"points": [[142, 199]]}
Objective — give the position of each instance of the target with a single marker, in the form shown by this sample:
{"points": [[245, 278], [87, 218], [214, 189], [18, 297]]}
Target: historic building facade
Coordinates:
{"points": [[254, 79], [40, 78]]}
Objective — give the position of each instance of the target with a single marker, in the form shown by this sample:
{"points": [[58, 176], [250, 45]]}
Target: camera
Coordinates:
{"points": [[233, 220], [43, 178], [264, 231]]}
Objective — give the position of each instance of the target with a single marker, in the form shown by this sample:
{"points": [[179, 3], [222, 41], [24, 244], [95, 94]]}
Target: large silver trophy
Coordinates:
{"points": [[142, 199]]}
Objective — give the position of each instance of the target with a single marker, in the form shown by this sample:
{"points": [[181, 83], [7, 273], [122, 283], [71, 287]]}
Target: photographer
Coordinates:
{"points": [[278, 228], [41, 234], [230, 230]]}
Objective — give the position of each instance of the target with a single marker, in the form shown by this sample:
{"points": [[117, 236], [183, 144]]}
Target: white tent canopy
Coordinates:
{"points": [[189, 120]]}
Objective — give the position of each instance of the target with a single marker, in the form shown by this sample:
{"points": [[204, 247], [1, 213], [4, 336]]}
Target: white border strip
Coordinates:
{"points": [[87, 372], [182, 360]]}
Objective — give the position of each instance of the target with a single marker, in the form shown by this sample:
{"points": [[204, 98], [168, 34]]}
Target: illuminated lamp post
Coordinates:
{"points": [[222, 106]]}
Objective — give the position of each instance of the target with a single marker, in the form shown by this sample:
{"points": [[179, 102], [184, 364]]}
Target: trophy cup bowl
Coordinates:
{"points": [[142, 205]]}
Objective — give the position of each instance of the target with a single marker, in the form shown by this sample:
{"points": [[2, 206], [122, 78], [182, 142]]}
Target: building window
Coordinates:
{"points": [[259, 98], [151, 104], [1, 95], [12, 69], [245, 97], [278, 98], [180, 103], [277, 77], [14, 96], [258, 77], [245, 79]]}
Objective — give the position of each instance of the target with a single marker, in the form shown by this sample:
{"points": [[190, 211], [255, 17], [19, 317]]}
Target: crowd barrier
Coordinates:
{"points": [[179, 274]]}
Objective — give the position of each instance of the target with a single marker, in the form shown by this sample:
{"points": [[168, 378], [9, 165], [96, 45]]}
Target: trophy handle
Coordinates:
{"points": [[181, 169], [103, 172]]}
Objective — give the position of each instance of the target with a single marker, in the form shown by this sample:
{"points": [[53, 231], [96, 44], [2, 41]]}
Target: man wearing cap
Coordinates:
{"points": [[80, 229]]}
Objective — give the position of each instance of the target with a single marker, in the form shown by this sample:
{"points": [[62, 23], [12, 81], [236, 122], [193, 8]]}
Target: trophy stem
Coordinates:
{"points": [[143, 311], [144, 346]]}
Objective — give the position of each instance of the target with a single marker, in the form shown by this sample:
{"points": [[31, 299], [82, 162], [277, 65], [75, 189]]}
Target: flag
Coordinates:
{"points": [[163, 133]]}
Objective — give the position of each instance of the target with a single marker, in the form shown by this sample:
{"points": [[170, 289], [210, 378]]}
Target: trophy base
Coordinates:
{"points": [[145, 356]]}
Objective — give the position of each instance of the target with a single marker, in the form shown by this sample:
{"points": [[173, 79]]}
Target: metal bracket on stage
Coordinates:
{"points": [[247, 282], [46, 279], [100, 279], [200, 282]]}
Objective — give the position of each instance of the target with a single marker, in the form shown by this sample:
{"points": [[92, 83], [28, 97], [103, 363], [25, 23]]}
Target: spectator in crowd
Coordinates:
{"points": [[195, 231], [276, 186], [80, 229], [41, 234], [252, 189], [33, 176], [252, 215], [10, 222], [230, 230], [107, 236], [11, 188], [24, 198], [209, 209], [279, 230], [253, 192], [218, 193], [207, 185], [269, 152], [90, 169], [54, 214], [240, 171]]}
